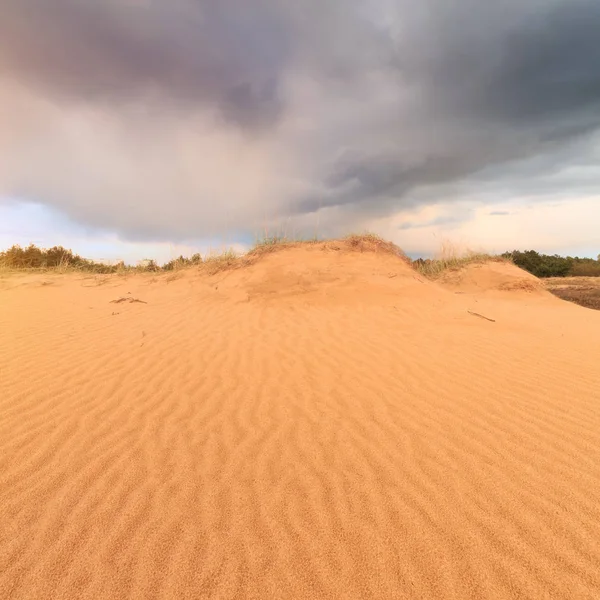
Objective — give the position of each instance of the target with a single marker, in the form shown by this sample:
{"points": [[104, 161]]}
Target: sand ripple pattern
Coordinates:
{"points": [[201, 446]]}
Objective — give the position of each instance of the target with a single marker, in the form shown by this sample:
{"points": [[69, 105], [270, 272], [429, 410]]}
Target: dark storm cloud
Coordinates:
{"points": [[531, 75], [376, 176], [178, 52], [417, 93], [506, 61], [550, 65]]}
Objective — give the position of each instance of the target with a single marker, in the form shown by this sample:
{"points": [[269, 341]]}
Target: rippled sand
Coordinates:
{"points": [[321, 424]]}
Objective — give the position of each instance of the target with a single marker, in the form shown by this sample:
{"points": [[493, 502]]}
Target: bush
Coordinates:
{"points": [[33, 257], [56, 257], [182, 261], [541, 265], [585, 267], [544, 265]]}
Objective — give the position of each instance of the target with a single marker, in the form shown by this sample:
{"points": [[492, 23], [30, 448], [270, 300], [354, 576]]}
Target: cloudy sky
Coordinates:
{"points": [[133, 128]]}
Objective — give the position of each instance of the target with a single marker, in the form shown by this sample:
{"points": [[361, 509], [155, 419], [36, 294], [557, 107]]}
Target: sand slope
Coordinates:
{"points": [[321, 424], [491, 277]]}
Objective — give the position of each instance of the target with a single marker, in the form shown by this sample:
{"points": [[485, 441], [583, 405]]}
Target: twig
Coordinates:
{"points": [[126, 299], [481, 316]]}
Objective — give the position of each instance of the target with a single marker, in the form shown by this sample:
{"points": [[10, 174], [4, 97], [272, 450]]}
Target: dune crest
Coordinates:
{"points": [[321, 422], [324, 272]]}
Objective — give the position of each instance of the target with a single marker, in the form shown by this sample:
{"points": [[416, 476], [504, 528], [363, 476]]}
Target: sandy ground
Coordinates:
{"points": [[322, 424]]}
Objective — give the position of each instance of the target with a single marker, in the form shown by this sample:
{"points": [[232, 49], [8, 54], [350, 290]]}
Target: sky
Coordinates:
{"points": [[139, 129]]}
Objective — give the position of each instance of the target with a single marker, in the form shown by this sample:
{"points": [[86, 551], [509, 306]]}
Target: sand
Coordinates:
{"points": [[321, 424]]}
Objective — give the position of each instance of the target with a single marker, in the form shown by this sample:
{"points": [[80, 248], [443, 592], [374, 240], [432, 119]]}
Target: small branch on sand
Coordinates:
{"points": [[126, 299], [481, 316]]}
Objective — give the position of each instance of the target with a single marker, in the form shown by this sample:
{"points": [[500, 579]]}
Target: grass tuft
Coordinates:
{"points": [[371, 242], [215, 262], [451, 257], [434, 268]]}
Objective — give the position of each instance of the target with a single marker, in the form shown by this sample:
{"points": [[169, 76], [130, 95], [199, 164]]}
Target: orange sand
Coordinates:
{"points": [[320, 424]]}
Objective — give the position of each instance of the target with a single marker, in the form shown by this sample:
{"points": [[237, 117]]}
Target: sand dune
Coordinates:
{"points": [[493, 276], [322, 423]]}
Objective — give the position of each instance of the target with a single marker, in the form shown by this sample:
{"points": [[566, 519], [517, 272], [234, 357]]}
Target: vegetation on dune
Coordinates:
{"points": [[371, 241], [272, 243], [61, 259], [433, 268], [181, 262], [451, 257]]}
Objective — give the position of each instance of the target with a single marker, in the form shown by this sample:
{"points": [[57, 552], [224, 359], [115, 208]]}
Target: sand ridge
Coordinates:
{"points": [[492, 276], [318, 424]]}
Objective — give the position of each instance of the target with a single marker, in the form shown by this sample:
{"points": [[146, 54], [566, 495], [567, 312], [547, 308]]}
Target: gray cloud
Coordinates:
{"points": [[446, 220], [510, 61], [167, 119], [229, 54]]}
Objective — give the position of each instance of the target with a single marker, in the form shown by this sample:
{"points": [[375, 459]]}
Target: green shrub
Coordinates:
{"points": [[182, 261], [541, 265], [33, 257], [585, 267]]}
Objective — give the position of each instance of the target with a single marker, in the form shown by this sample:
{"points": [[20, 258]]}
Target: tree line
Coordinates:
{"points": [[553, 265], [33, 257]]}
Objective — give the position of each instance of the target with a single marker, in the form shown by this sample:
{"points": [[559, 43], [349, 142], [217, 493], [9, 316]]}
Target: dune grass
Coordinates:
{"points": [[433, 268], [270, 244], [214, 262], [372, 242], [451, 257]]}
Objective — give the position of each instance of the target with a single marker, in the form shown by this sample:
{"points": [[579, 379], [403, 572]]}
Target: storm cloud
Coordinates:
{"points": [[180, 118]]}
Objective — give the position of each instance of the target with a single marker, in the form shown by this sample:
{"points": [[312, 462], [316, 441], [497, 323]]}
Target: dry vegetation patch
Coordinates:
{"points": [[584, 291], [451, 257]]}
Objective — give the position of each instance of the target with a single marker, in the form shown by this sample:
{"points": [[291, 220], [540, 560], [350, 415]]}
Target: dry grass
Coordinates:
{"points": [[584, 291], [221, 261], [370, 242], [56, 260], [63, 267], [270, 244], [452, 257]]}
